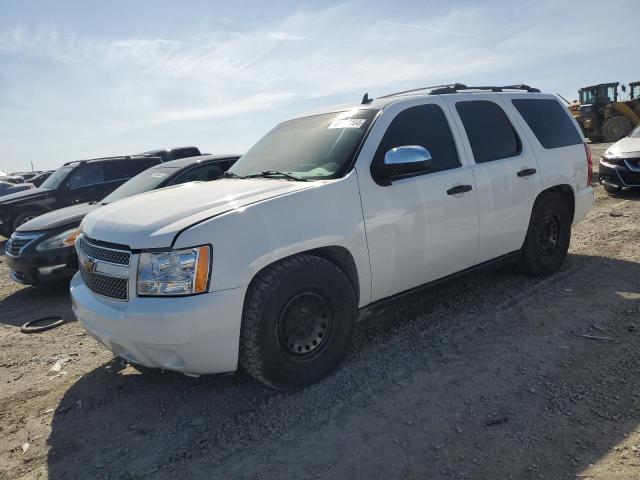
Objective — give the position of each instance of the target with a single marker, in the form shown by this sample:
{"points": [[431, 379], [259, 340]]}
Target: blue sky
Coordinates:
{"points": [[80, 79]]}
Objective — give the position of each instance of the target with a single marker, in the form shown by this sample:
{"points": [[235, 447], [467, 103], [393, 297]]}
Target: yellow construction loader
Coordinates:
{"points": [[602, 116]]}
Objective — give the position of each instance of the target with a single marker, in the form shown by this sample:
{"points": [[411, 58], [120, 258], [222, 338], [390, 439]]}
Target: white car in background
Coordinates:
{"points": [[620, 165], [331, 212]]}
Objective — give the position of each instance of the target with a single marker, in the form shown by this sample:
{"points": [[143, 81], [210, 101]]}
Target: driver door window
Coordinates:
{"points": [[426, 126]]}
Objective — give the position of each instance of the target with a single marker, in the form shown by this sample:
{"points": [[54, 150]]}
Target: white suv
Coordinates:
{"points": [[328, 213]]}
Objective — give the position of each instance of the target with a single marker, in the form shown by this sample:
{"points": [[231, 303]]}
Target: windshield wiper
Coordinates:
{"points": [[232, 175], [273, 173]]}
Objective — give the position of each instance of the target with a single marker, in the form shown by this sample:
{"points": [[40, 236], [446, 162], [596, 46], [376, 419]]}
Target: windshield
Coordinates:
{"points": [[57, 177], [143, 182], [317, 147], [588, 96]]}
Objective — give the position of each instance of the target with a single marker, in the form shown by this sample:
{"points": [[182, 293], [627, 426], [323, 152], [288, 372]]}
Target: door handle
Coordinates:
{"points": [[525, 172], [459, 189]]}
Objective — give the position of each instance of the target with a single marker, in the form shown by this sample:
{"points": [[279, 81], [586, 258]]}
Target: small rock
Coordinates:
{"points": [[56, 367]]}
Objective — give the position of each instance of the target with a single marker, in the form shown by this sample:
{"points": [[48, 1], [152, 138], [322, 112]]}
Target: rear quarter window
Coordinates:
{"points": [[548, 121]]}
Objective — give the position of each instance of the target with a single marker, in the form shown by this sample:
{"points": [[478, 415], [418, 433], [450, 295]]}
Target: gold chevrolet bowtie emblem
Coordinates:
{"points": [[88, 263]]}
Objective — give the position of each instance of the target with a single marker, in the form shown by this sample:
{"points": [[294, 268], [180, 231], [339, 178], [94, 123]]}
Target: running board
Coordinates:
{"points": [[378, 307]]}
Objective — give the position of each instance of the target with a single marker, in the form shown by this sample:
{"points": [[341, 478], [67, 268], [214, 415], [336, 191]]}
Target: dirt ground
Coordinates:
{"points": [[496, 376]]}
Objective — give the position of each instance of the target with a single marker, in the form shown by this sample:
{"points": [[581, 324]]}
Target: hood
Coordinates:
{"points": [[16, 188], [23, 195], [625, 146], [59, 218], [153, 219]]}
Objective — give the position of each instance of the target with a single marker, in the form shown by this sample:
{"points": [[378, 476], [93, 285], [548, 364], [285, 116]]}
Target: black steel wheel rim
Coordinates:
{"points": [[548, 235], [305, 324]]}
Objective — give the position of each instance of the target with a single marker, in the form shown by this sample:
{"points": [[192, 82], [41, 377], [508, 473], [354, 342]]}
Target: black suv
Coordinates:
{"points": [[73, 183], [41, 250]]}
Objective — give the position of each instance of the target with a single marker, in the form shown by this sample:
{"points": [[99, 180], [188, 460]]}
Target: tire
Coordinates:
{"points": [[616, 128], [611, 190], [24, 217], [297, 322], [547, 242]]}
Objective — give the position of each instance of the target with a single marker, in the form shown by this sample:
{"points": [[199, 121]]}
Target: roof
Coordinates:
{"points": [[185, 162], [438, 90], [171, 149], [102, 159]]}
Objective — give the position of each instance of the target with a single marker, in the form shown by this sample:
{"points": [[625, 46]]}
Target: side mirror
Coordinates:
{"points": [[401, 162]]}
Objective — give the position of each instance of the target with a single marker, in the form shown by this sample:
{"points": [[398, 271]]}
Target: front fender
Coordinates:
{"points": [[246, 240]]}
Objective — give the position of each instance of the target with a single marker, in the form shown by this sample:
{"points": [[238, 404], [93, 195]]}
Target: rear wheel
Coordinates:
{"points": [[297, 322], [616, 127], [547, 242]]}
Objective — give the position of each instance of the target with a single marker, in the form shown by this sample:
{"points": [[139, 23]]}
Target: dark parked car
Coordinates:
{"points": [[41, 250], [7, 188], [73, 183]]}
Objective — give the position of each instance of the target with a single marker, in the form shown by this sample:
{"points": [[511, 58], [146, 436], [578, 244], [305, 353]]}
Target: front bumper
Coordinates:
{"points": [[196, 334], [617, 175], [31, 267]]}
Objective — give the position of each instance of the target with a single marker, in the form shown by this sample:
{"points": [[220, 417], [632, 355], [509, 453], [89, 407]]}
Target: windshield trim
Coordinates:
{"points": [[350, 165]]}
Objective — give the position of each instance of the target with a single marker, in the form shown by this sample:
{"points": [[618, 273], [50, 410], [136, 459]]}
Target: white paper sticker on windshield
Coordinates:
{"points": [[158, 175], [347, 123]]}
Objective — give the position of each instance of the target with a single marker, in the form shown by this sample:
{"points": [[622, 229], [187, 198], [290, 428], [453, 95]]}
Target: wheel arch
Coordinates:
{"points": [[567, 194], [340, 256]]}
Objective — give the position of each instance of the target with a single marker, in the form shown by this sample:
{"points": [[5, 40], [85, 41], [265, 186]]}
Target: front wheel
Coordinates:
{"points": [[547, 242], [297, 322]]}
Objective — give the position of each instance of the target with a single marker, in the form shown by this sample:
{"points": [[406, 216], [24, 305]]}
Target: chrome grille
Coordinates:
{"points": [[113, 287], [17, 242], [109, 255]]}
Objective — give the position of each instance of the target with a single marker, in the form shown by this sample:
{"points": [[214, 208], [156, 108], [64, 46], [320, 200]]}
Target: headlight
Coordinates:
{"points": [[64, 239], [613, 160], [174, 272]]}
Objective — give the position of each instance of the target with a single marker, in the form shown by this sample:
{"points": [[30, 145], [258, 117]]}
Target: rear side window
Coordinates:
{"points": [[423, 125], [490, 133], [549, 122], [124, 169]]}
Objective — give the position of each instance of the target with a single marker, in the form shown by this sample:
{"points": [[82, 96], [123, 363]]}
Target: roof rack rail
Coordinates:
{"points": [[460, 87], [457, 87], [413, 90], [113, 157]]}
